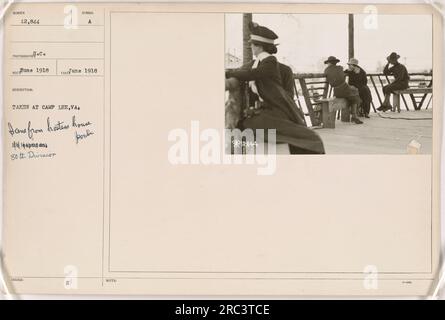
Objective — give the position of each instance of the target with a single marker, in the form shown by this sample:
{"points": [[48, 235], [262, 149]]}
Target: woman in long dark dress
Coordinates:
{"points": [[272, 106]]}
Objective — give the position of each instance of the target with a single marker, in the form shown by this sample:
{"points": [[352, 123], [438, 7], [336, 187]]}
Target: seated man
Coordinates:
{"points": [[359, 79], [401, 79], [337, 79]]}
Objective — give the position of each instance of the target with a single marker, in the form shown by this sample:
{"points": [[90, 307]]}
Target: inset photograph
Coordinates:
{"points": [[331, 83]]}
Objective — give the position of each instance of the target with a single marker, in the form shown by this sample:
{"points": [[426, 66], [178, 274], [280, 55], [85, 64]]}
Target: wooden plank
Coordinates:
{"points": [[415, 90], [413, 100], [309, 75], [345, 115], [326, 99], [404, 101], [308, 101], [316, 82], [298, 102], [316, 88], [326, 90], [328, 117], [381, 82], [422, 101], [376, 91], [429, 101]]}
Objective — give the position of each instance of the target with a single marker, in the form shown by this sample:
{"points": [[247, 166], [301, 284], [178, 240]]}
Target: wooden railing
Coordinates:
{"points": [[310, 87]]}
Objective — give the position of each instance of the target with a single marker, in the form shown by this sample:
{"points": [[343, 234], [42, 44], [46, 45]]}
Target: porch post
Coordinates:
{"points": [[351, 36]]}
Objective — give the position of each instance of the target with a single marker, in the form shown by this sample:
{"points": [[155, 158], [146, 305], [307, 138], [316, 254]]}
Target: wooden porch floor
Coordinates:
{"points": [[380, 135]]}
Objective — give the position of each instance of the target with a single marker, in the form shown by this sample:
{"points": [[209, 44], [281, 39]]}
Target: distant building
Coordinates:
{"points": [[232, 61]]}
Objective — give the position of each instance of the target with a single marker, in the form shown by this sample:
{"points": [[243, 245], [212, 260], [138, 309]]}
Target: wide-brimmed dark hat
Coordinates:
{"points": [[261, 34], [332, 59], [393, 56]]}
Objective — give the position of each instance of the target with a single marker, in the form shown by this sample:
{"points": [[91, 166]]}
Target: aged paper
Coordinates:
{"points": [[95, 97]]}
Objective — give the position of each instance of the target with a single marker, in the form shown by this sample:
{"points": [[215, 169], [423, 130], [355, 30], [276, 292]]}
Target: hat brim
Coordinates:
{"points": [[260, 42], [393, 58], [329, 61]]}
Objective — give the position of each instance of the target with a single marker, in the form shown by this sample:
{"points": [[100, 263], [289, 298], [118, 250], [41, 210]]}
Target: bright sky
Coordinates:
{"points": [[306, 40]]}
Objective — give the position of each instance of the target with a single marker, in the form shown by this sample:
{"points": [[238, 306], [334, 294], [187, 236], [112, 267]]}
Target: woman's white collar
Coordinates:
{"points": [[263, 55]]}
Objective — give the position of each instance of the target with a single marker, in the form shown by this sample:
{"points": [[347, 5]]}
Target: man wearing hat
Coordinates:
{"points": [[401, 79], [358, 78], [271, 106], [337, 79]]}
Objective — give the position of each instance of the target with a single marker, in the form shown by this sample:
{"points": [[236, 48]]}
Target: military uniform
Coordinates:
{"points": [[401, 78], [337, 79]]}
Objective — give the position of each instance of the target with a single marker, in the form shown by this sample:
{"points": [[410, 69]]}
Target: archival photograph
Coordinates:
{"points": [[330, 83]]}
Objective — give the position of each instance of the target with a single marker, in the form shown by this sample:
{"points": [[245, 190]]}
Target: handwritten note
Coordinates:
{"points": [[62, 66]]}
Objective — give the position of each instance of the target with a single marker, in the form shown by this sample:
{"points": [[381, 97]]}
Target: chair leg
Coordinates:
{"points": [[396, 102], [345, 115]]}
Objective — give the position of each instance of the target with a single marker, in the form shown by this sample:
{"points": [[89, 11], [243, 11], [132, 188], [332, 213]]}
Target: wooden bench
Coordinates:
{"points": [[329, 108], [412, 92]]}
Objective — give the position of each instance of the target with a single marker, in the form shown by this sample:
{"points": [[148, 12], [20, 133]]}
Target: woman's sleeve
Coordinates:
{"points": [[264, 70]]}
